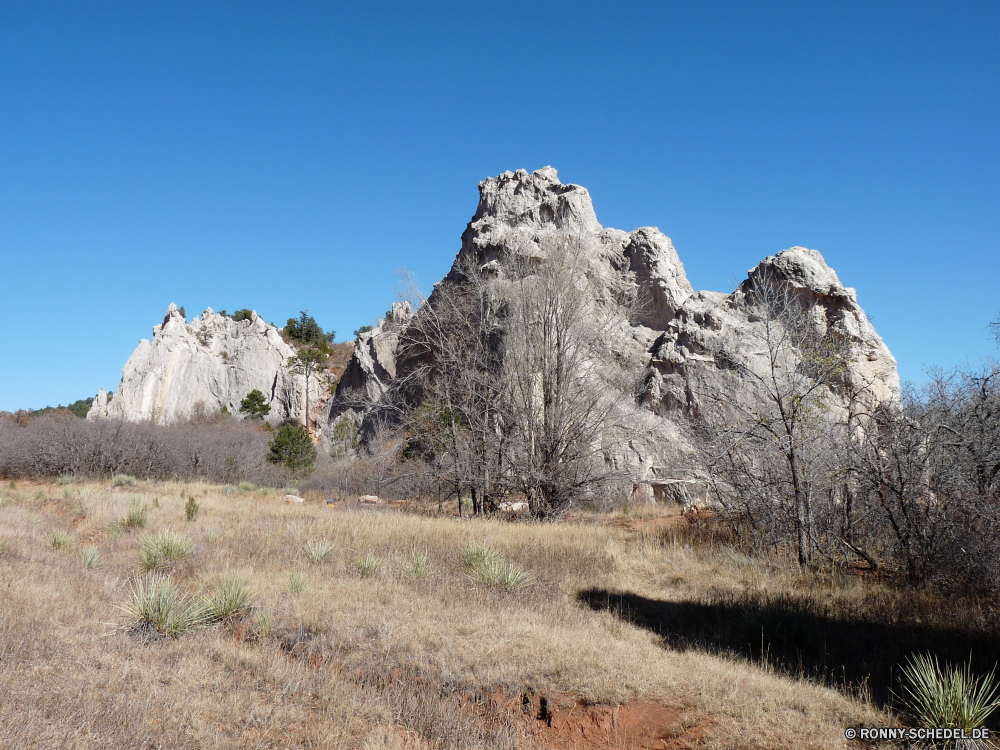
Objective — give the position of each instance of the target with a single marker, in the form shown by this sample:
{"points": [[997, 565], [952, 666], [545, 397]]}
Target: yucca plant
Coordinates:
{"points": [[296, 582], [157, 550], [90, 557], [247, 486], [369, 565], [489, 567], [420, 565], [59, 539], [318, 550], [155, 604], [123, 480], [229, 602], [949, 696], [136, 517]]}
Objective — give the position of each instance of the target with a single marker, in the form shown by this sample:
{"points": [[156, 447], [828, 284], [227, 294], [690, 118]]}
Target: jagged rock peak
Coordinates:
{"points": [[204, 367], [537, 200]]}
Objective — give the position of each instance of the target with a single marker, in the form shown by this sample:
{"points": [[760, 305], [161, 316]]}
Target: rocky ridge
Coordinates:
{"points": [[200, 368], [681, 334]]}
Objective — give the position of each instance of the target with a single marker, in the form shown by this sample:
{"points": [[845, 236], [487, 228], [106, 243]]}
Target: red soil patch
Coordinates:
{"points": [[568, 725]]}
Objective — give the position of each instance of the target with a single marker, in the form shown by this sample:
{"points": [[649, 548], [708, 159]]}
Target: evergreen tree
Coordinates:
{"points": [[255, 406], [293, 447]]}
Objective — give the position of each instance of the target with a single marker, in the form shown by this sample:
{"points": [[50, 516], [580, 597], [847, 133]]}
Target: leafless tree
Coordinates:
{"points": [[773, 415]]}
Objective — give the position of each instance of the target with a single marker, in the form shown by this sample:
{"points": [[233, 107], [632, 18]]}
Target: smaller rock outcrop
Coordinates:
{"points": [[373, 363], [200, 368]]}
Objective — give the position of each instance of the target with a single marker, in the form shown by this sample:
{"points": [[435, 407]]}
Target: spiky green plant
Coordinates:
{"points": [[4, 500], [155, 604], [263, 621], [247, 487], [136, 517], [420, 565], [64, 479], [123, 480], [229, 602], [59, 539], [191, 509], [949, 697], [90, 557], [490, 568], [318, 551], [157, 550], [228, 489], [297, 582], [369, 565]]}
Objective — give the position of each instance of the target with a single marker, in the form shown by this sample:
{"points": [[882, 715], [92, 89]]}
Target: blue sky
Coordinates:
{"points": [[293, 155]]}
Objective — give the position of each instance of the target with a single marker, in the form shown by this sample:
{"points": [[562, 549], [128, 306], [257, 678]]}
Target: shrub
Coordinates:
{"points": [[948, 697], [293, 447], [155, 604], [90, 557], [359, 331], [344, 438], [318, 550], [191, 509], [123, 480], [255, 405], [229, 602], [228, 489], [64, 479], [246, 487]]}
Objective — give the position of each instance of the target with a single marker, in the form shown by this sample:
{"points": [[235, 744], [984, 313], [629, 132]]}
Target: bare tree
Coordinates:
{"points": [[509, 380], [773, 415]]}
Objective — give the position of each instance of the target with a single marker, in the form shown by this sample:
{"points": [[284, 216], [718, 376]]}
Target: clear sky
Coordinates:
{"points": [[283, 156]]}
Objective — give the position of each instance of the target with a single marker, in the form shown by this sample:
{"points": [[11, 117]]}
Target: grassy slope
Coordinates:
{"points": [[351, 657]]}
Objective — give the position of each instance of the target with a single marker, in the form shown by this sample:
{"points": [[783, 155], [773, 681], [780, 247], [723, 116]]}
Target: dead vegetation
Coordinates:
{"points": [[415, 651]]}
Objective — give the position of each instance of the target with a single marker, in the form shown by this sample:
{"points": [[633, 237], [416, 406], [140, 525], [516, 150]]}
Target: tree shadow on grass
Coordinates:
{"points": [[783, 633]]}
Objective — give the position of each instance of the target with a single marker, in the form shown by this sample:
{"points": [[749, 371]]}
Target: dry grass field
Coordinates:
{"points": [[373, 628]]}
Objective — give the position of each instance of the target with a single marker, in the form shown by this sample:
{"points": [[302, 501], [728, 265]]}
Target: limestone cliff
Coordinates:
{"points": [[189, 370]]}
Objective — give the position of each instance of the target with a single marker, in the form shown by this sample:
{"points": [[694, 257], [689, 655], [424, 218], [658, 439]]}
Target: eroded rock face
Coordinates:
{"points": [[711, 327], [373, 362], [682, 335], [190, 370]]}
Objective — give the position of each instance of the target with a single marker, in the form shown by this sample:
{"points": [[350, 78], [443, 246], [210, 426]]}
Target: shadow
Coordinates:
{"points": [[784, 634]]}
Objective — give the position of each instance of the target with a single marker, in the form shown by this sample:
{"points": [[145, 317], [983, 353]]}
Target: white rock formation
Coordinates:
{"points": [[374, 360], [196, 369], [679, 333]]}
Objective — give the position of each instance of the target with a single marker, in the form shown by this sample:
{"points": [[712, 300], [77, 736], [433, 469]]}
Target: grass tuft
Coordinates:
{"points": [[420, 565], [228, 489], [369, 565], [490, 568], [949, 697], [318, 550], [156, 605], [90, 557], [123, 480], [297, 582], [229, 603], [158, 550], [59, 539], [247, 487]]}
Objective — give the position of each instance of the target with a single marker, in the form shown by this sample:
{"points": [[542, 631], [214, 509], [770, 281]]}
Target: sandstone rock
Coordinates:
{"points": [[370, 500], [294, 499], [519, 506], [196, 369]]}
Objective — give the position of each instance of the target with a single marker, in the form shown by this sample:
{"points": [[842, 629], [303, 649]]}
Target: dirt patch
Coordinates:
{"points": [[561, 723]]}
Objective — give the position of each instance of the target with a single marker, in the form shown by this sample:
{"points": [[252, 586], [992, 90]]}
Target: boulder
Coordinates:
{"points": [[294, 499]]}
